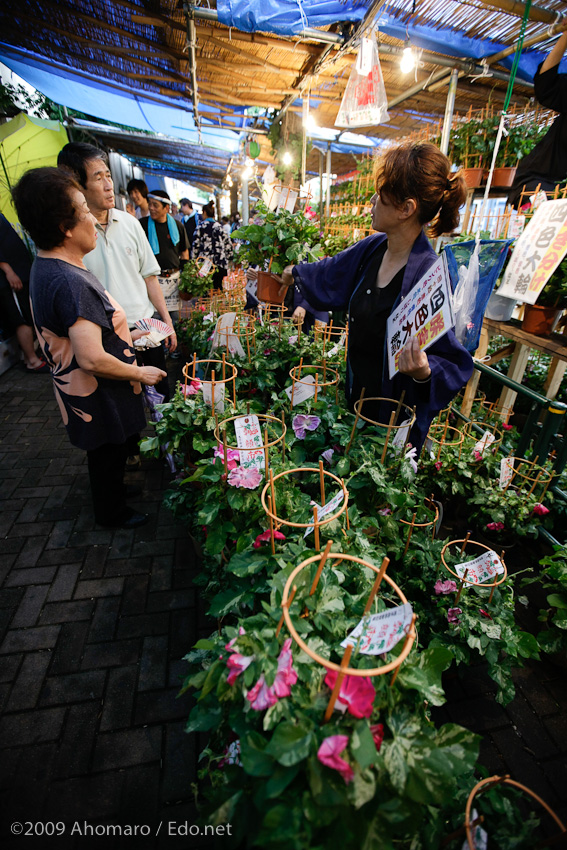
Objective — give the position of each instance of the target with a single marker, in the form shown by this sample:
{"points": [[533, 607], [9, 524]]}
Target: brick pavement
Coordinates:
{"points": [[93, 626]]}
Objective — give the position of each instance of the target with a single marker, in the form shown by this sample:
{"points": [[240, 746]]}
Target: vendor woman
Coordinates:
{"points": [[414, 187]]}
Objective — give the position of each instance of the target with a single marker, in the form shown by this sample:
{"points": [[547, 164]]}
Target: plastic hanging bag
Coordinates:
{"points": [[464, 297], [364, 102]]}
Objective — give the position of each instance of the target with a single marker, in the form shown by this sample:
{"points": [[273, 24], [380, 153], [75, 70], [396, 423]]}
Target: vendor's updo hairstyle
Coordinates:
{"points": [[420, 171], [44, 204]]}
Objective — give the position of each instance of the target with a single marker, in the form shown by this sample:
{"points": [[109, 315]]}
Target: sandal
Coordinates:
{"points": [[43, 368]]}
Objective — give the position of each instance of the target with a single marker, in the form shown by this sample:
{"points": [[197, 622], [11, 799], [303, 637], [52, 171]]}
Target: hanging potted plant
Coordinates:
{"points": [[539, 318], [274, 240], [516, 145], [469, 148], [196, 278]]}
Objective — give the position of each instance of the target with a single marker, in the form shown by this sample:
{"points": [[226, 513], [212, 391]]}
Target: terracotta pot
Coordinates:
{"points": [[270, 290], [473, 177], [538, 320], [185, 296], [503, 177]]}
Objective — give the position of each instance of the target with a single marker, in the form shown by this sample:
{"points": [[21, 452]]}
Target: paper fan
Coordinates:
{"points": [[154, 325]]}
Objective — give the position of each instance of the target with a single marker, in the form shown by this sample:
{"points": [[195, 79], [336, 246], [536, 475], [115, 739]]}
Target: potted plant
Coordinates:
{"points": [[274, 240], [469, 148], [196, 278], [539, 318]]}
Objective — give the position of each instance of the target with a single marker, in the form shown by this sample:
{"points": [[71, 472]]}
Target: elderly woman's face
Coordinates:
{"points": [[84, 233]]}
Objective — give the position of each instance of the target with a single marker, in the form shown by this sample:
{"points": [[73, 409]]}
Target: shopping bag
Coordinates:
{"points": [[364, 102]]}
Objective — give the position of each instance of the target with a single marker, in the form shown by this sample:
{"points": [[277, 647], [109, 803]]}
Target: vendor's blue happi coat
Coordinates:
{"points": [[330, 284]]}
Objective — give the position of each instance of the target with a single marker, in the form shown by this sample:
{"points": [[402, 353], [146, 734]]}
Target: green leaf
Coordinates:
{"points": [[209, 513], [204, 644], [557, 600], [246, 564], [255, 760], [290, 743], [280, 779], [362, 745], [425, 675]]}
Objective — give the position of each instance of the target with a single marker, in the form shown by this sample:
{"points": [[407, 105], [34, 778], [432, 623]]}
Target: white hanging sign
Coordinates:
{"points": [[485, 441], [425, 313], [379, 633], [207, 388], [206, 267], [328, 509], [480, 835], [224, 325], [486, 566], [302, 391], [401, 435], [506, 472], [249, 442]]}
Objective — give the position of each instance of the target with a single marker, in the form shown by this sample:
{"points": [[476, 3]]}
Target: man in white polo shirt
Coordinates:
{"points": [[122, 260]]}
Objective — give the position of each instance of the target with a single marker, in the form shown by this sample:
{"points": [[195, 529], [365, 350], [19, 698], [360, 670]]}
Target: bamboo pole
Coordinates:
{"points": [[407, 640], [340, 677], [288, 606], [357, 417], [322, 563], [376, 586], [322, 483], [385, 449]]}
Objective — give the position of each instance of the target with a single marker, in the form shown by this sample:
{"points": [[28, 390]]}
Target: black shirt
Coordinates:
{"points": [[168, 257], [14, 252], [370, 307]]}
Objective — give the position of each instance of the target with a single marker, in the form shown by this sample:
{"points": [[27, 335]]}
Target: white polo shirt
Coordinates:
{"points": [[121, 260]]}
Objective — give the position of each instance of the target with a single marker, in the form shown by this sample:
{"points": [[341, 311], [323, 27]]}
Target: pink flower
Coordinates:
{"points": [[453, 615], [495, 526], [485, 614], [231, 643], [248, 478], [438, 465], [447, 586], [507, 427], [378, 735], [233, 455], [192, 388], [231, 755], [268, 351], [237, 664], [286, 675], [302, 423], [540, 510], [261, 696], [329, 754], [356, 694], [385, 511], [477, 455], [265, 536]]}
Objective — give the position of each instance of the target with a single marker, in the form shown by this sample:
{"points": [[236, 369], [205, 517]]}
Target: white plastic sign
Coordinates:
{"points": [[425, 313], [328, 509], [506, 472], [401, 436], [224, 325], [379, 633], [207, 388], [537, 253], [206, 267], [302, 391], [485, 441], [480, 835], [486, 566], [249, 442]]}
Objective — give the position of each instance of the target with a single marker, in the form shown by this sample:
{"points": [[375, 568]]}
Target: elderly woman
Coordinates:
{"points": [[414, 186], [85, 339]]}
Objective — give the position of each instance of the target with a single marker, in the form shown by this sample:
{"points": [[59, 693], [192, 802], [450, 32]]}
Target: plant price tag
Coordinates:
{"points": [[249, 442], [486, 566], [302, 390], [506, 472], [402, 434], [480, 835], [485, 441], [224, 326], [337, 347], [379, 633], [206, 267], [207, 387], [328, 509]]}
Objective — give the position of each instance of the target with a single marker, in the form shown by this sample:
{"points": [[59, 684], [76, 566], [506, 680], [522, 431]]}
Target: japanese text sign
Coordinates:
{"points": [[379, 633], [302, 390], [486, 567], [537, 253], [425, 313], [328, 509], [249, 442]]}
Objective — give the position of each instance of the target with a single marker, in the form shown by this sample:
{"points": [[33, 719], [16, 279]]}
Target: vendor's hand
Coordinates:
{"points": [[171, 342], [287, 276], [252, 274], [14, 281], [151, 375], [138, 334], [413, 361], [299, 314]]}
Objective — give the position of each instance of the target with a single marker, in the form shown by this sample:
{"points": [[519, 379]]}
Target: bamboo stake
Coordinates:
{"points": [[322, 563], [376, 586], [194, 363], [315, 387], [272, 493], [336, 690], [266, 451], [322, 483], [288, 606], [225, 451], [357, 417], [465, 574], [271, 519], [385, 449], [409, 534], [399, 407], [465, 541], [213, 389], [283, 436], [316, 528], [409, 636]]}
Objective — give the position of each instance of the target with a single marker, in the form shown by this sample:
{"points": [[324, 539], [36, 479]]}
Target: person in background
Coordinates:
{"points": [[189, 218], [175, 212], [235, 221], [414, 186], [15, 267], [546, 164], [168, 241], [210, 240], [122, 259], [225, 221], [138, 192], [84, 335]]}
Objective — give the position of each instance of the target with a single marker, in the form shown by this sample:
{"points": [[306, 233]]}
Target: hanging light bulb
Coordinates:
{"points": [[407, 62], [287, 158]]}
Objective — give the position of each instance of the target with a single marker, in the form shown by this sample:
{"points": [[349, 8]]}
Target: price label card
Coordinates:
{"points": [[249, 441], [480, 836], [379, 633], [337, 347], [401, 436], [486, 440], [234, 345], [207, 388], [206, 267], [223, 327], [506, 472], [484, 568], [302, 391], [328, 509]]}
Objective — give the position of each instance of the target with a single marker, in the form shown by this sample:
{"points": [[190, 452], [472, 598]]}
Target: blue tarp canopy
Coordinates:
{"points": [[287, 17]]}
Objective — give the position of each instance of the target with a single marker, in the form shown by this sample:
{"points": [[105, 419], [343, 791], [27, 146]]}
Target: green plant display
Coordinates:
{"points": [[193, 282]]}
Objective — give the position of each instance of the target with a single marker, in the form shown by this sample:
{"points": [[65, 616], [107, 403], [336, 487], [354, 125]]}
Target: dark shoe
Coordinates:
{"points": [[42, 369], [132, 490], [133, 462], [131, 519]]}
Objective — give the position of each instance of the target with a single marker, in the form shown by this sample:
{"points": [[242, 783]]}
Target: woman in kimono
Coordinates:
{"points": [[414, 187]]}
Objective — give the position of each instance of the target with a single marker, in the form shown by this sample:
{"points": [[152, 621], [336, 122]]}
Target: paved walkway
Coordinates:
{"points": [[93, 626]]}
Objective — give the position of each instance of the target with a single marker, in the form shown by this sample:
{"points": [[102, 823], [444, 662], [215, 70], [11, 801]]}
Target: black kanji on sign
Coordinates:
{"points": [[521, 284], [396, 342], [533, 261], [559, 212], [437, 300], [421, 316], [545, 238], [407, 330]]}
